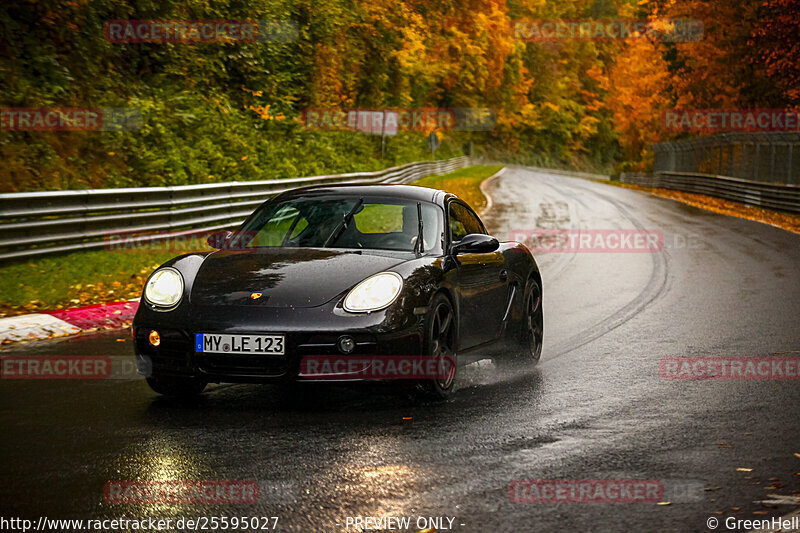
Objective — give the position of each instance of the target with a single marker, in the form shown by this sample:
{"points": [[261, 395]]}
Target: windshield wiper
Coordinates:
{"points": [[343, 224], [419, 246]]}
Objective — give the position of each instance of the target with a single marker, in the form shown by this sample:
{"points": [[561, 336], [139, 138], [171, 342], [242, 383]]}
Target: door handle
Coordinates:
{"points": [[504, 275]]}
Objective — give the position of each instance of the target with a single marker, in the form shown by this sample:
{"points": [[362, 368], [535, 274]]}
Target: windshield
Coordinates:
{"points": [[344, 222]]}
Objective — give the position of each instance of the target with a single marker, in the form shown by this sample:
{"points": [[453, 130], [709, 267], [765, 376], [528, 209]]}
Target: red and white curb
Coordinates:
{"points": [[64, 322]]}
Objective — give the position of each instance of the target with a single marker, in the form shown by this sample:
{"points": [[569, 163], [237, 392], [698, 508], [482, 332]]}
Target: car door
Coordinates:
{"points": [[482, 282]]}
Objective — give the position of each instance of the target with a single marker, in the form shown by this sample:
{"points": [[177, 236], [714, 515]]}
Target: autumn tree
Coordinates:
{"points": [[776, 38]]}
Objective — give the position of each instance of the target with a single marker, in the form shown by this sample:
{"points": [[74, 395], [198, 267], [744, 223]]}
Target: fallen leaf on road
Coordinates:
{"points": [[778, 499], [744, 469], [736, 508], [786, 221]]}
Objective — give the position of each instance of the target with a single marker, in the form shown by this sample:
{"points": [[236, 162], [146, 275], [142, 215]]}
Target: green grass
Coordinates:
{"points": [[464, 183], [84, 278], [75, 279]]}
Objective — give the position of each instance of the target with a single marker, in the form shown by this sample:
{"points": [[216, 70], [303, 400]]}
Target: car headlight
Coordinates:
{"points": [[374, 293], [164, 288]]}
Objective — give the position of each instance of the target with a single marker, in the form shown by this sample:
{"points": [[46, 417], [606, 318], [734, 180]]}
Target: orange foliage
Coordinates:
{"points": [[637, 94]]}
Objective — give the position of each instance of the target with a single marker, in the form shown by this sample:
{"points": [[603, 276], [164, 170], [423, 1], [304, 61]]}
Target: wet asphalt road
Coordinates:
{"points": [[596, 406]]}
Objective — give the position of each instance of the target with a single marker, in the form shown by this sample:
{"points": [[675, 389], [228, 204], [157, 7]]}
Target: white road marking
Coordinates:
{"points": [[483, 186]]}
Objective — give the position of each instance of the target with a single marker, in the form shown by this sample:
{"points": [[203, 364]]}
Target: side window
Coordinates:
{"points": [[462, 222]]}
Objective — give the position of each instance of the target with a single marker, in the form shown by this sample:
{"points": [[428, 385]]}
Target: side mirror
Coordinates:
{"points": [[219, 239], [476, 243]]}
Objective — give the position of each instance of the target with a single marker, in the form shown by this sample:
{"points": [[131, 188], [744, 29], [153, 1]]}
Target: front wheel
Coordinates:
{"points": [[441, 336], [176, 387]]}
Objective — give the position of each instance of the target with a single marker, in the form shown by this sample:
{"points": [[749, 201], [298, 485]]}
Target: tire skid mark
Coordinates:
{"points": [[653, 290]]}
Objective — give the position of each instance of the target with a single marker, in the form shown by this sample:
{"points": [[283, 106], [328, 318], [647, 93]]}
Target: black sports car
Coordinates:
{"points": [[347, 272]]}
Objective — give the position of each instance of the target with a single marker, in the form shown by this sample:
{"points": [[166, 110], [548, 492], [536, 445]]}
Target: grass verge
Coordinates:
{"points": [[74, 280], [464, 183], [92, 277]]}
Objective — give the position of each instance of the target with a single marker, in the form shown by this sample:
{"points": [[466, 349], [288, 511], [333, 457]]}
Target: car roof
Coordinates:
{"points": [[410, 192]]}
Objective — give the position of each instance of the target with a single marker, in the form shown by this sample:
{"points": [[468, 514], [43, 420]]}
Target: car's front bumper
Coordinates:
{"points": [[307, 332]]}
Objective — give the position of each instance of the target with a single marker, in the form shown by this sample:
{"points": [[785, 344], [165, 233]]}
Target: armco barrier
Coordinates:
{"points": [[42, 223], [759, 194]]}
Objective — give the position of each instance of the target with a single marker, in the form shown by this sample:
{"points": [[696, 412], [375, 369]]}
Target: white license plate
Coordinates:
{"points": [[221, 343]]}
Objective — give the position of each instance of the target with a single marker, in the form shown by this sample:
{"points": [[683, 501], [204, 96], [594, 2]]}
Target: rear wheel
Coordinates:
{"points": [[532, 325], [441, 339], [529, 348], [176, 387]]}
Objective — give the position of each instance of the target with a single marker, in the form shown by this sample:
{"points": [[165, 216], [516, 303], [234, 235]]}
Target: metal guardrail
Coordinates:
{"points": [[747, 192], [770, 157], [43, 223]]}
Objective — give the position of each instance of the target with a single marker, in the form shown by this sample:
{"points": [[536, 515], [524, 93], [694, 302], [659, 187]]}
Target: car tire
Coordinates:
{"points": [[531, 332], [532, 325], [176, 387], [441, 339]]}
